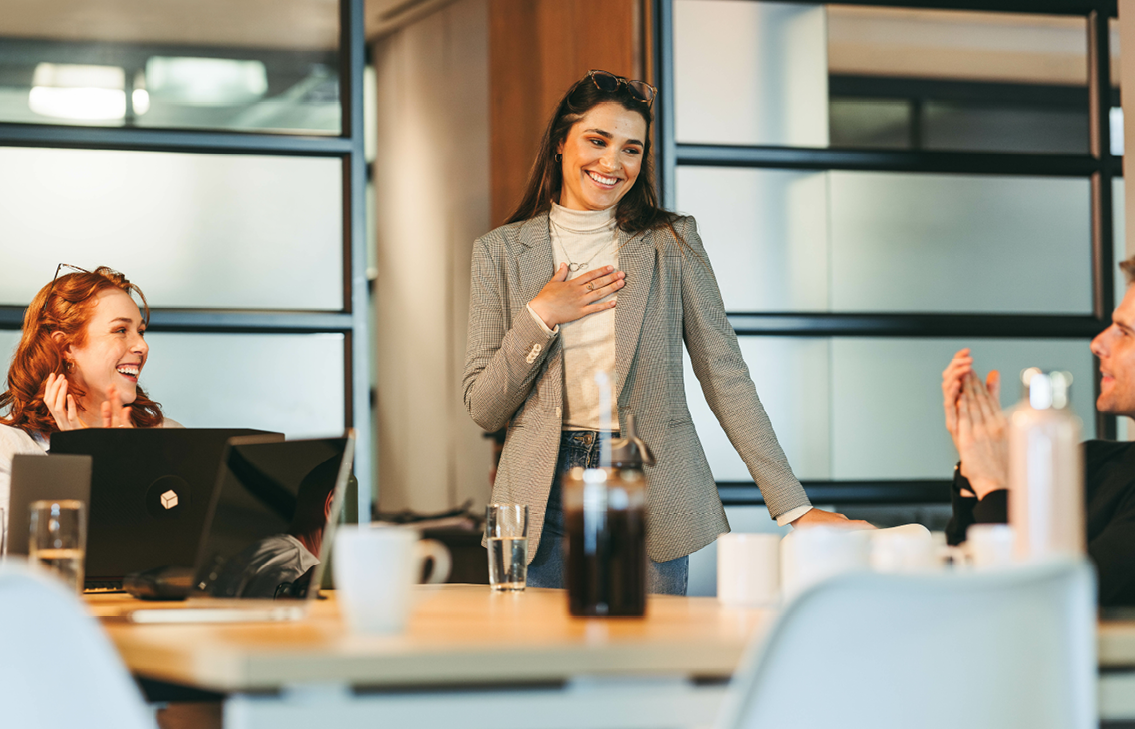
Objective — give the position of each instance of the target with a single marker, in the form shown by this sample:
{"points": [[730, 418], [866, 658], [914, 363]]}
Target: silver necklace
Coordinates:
{"points": [[576, 267]]}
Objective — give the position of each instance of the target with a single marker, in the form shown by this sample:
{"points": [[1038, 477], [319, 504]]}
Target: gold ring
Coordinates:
{"points": [[590, 287]]}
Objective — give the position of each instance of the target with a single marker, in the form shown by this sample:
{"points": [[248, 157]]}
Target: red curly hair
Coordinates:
{"points": [[63, 306]]}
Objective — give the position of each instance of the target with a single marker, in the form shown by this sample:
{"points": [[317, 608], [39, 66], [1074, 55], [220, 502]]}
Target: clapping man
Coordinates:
{"points": [[979, 430]]}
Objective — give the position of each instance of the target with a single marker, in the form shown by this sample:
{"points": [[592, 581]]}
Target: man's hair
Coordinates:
{"points": [[1128, 268]]}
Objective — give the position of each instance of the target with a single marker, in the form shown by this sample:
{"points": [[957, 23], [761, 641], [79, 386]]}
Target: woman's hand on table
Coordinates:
{"points": [[60, 404], [562, 301], [114, 413], [819, 517]]}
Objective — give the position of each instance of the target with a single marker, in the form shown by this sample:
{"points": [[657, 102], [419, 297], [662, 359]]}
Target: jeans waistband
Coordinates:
{"points": [[586, 437]]}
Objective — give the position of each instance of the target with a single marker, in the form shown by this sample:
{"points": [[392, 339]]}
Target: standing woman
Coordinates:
{"points": [[77, 365], [588, 275]]}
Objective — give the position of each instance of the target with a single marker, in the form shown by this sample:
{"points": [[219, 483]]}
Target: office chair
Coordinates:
{"points": [[58, 670], [1007, 648]]}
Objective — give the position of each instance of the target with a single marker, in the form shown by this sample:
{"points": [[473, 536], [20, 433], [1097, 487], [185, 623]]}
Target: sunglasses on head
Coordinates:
{"points": [[58, 268], [610, 83]]}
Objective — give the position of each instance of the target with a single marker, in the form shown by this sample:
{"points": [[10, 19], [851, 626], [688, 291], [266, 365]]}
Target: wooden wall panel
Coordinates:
{"points": [[537, 50]]}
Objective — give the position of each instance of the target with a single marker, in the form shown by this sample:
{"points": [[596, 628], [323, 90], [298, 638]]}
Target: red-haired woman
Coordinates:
{"points": [[77, 365]]}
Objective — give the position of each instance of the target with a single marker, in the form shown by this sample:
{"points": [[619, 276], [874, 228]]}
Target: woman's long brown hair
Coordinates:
{"points": [[638, 210]]}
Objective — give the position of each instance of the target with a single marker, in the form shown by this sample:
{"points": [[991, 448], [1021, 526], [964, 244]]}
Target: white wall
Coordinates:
{"points": [[432, 201]]}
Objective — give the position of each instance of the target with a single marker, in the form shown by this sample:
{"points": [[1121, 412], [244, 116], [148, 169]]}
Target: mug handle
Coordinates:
{"points": [[438, 554]]}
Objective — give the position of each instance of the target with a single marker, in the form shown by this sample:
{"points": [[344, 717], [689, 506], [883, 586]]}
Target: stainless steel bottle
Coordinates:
{"points": [[1046, 471]]}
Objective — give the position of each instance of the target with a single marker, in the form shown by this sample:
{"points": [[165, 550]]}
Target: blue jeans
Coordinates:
{"points": [[581, 448]]}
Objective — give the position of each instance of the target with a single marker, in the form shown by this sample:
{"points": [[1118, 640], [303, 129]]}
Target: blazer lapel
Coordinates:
{"points": [[534, 262], [636, 260]]}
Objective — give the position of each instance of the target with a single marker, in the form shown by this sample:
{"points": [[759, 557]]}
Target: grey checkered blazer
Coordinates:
{"points": [[514, 374]]}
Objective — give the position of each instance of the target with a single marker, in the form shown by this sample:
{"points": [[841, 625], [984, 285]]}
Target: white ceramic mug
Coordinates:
{"points": [[375, 568], [905, 548], [810, 555], [748, 569], [989, 545]]}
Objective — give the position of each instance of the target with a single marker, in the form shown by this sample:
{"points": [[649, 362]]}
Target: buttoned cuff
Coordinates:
{"points": [[549, 332], [792, 515]]}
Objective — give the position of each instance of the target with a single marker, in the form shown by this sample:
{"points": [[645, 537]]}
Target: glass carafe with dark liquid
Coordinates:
{"points": [[605, 544]]}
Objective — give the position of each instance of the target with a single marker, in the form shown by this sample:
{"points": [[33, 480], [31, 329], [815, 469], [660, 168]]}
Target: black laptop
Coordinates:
{"points": [[151, 490]]}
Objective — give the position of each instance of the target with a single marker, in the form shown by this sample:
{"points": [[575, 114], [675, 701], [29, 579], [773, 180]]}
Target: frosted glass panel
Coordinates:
{"points": [[871, 408], [765, 233], [292, 383], [286, 382], [193, 230], [886, 406], [892, 242], [792, 379], [960, 243], [750, 73]]}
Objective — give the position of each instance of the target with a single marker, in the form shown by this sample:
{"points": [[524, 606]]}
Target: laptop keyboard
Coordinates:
{"points": [[102, 586]]}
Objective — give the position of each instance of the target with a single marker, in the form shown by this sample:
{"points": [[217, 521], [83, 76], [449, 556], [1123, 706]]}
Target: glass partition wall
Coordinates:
{"points": [[213, 152], [880, 186]]}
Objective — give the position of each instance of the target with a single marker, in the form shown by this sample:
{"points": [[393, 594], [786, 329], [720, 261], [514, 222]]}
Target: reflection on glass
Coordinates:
{"points": [[269, 532], [210, 65], [871, 123], [891, 78], [750, 73], [871, 408]]}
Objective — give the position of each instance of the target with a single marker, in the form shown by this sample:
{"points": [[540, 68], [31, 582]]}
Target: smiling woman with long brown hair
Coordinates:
{"points": [[588, 275], [81, 352]]}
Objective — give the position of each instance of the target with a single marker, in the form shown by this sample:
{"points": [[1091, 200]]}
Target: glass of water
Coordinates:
{"points": [[57, 536], [506, 529]]}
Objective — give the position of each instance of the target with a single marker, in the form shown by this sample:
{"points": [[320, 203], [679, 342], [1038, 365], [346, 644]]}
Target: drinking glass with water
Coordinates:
{"points": [[506, 530], [57, 537]]}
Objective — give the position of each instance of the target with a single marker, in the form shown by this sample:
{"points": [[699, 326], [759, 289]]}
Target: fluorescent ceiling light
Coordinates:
{"points": [[205, 80], [70, 91]]}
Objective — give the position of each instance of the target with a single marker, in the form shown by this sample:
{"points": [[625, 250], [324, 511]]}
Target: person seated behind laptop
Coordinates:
{"points": [[979, 430], [281, 565], [77, 365]]}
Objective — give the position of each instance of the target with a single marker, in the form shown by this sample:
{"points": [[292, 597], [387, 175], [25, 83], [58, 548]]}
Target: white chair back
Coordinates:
{"points": [[1012, 648], [58, 670]]}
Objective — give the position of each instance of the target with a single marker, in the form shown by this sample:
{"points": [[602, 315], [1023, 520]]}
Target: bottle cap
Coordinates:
{"points": [[630, 451], [1046, 390]]}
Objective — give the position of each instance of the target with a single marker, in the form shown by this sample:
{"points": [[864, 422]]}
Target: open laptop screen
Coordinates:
{"points": [[275, 507]]}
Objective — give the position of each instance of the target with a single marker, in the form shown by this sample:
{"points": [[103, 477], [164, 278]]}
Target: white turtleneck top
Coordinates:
{"points": [[590, 239]]}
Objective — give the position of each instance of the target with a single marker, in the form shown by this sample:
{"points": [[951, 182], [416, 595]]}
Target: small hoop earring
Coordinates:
{"points": [[559, 157]]}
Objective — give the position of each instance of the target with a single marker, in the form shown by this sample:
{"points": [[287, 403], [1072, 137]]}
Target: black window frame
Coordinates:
{"points": [[353, 318], [1098, 165]]}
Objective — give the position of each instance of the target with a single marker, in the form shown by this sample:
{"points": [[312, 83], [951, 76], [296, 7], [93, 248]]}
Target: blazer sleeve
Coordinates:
{"points": [[503, 358], [725, 379]]}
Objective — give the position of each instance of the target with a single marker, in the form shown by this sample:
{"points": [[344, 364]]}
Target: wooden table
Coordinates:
{"points": [[469, 658], [474, 658]]}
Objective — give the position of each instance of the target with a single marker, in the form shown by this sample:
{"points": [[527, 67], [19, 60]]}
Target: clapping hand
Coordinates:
{"points": [[114, 413], [976, 424], [562, 301], [63, 408]]}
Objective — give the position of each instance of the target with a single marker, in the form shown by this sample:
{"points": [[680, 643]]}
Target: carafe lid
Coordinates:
{"points": [[630, 451]]}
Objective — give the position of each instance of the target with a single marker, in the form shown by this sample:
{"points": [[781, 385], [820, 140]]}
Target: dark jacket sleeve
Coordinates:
{"points": [[967, 510]]}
